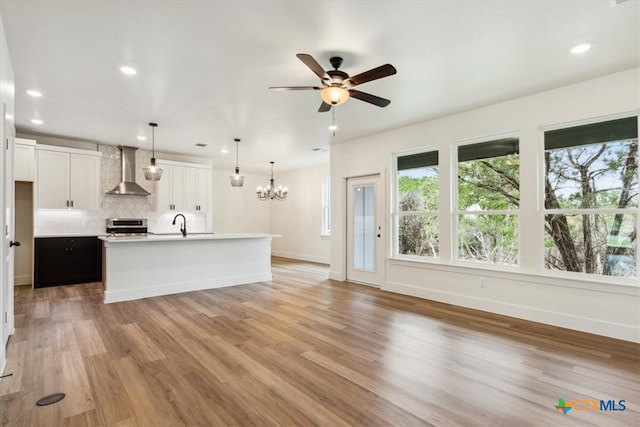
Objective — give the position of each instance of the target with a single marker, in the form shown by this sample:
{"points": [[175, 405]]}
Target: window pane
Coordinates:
{"points": [[418, 235], [594, 244], [364, 228], [418, 189], [592, 176], [489, 183], [326, 206], [488, 238]]}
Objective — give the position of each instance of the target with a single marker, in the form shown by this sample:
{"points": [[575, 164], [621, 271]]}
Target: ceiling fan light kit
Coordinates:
{"points": [[153, 172], [334, 95], [271, 192], [337, 86]]}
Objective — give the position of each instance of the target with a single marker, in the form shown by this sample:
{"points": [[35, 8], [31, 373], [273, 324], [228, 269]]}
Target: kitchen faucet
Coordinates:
{"points": [[183, 227]]}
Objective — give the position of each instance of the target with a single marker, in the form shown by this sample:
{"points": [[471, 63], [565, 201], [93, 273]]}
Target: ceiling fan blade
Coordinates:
{"points": [[314, 66], [373, 74], [324, 107], [283, 88], [371, 99]]}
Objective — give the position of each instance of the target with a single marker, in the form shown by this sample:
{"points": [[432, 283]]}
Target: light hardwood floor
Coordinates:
{"points": [[301, 350]]}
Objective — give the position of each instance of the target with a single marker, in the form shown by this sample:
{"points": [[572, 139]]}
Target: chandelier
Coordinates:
{"points": [[271, 192]]}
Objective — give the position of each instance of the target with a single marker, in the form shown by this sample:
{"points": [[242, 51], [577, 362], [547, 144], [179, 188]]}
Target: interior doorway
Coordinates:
{"points": [[23, 263]]}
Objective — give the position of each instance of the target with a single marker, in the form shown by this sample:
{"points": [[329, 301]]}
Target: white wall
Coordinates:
{"points": [[607, 309], [299, 217], [237, 209]]}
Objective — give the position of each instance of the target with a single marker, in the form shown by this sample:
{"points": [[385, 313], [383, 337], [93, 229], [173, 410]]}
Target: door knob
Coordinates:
{"points": [[12, 243]]}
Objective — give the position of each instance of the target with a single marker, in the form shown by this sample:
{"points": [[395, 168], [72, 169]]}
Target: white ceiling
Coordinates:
{"points": [[204, 66]]}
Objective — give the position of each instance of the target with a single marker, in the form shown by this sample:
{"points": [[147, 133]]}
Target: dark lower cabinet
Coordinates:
{"points": [[67, 260]]}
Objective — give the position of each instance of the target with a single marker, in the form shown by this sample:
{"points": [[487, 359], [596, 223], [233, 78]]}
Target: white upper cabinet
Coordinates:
{"points": [[24, 160], [170, 197], [184, 187], [197, 186], [67, 178]]}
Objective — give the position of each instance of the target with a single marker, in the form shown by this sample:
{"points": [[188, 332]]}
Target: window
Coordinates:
{"points": [[326, 207], [591, 198], [416, 205], [488, 202]]}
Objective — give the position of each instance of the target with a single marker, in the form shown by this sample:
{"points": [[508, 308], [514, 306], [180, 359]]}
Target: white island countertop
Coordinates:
{"points": [[178, 237], [162, 264]]}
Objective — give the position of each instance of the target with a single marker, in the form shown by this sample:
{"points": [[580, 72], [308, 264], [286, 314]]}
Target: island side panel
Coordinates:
{"points": [[150, 268]]}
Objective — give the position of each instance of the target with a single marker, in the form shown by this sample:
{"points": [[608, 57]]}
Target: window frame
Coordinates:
{"points": [[455, 212], [396, 214], [543, 211]]}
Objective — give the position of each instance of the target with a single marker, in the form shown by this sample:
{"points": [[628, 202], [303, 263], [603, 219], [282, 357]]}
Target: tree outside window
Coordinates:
{"points": [[416, 208], [488, 194], [591, 198]]}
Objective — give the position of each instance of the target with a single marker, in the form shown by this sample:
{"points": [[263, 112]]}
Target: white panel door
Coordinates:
{"points": [[24, 162], [177, 187], [164, 202], [190, 189], [53, 180], [7, 252], [364, 230], [204, 190], [84, 181]]}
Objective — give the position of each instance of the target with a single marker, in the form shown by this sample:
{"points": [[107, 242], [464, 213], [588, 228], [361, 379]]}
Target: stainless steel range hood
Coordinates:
{"points": [[128, 185]]}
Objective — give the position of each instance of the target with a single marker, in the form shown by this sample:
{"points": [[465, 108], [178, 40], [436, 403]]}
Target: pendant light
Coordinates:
{"points": [[153, 172], [271, 192], [237, 180]]}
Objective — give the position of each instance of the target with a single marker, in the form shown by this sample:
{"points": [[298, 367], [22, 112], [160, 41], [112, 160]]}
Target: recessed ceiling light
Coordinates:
{"points": [[34, 93], [36, 121], [580, 48], [224, 151], [200, 144], [128, 70], [142, 138]]}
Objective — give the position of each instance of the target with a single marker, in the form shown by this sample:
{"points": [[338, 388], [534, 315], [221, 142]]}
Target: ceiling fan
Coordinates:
{"points": [[337, 86]]}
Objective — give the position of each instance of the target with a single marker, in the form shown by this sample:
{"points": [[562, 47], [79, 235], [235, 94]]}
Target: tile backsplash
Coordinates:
{"points": [[75, 221]]}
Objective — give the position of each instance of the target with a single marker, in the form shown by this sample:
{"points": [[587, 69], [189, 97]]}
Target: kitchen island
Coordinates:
{"points": [[147, 266]]}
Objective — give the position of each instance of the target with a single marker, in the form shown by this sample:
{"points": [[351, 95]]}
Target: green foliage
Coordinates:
{"points": [[417, 234], [598, 176], [425, 186]]}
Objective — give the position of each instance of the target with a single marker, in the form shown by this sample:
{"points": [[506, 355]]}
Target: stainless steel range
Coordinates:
{"points": [[125, 227]]}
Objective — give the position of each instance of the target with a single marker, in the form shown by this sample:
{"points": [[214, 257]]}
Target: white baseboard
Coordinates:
{"points": [[564, 320], [301, 257], [176, 288], [23, 279], [335, 275]]}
